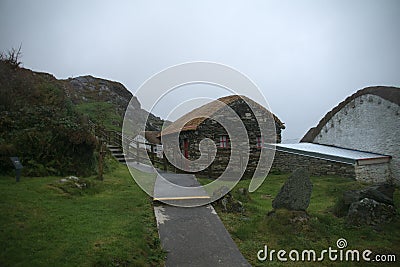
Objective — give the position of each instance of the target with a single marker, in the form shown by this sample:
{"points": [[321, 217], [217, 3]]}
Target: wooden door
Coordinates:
{"points": [[186, 148]]}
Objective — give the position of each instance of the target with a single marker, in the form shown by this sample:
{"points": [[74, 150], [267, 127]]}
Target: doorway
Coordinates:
{"points": [[186, 148]]}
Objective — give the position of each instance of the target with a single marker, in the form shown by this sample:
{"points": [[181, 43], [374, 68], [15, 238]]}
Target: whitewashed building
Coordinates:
{"points": [[363, 132]]}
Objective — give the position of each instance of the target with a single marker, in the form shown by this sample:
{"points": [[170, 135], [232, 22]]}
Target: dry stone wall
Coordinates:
{"points": [[288, 162]]}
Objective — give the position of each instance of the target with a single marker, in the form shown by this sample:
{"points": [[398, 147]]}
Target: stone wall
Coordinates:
{"points": [[211, 129], [288, 162], [367, 123], [374, 173]]}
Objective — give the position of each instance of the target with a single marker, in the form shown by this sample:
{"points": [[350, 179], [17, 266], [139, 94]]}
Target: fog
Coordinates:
{"points": [[305, 56]]}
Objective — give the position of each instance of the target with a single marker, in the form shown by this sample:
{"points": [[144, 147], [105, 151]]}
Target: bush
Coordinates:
{"points": [[38, 124]]}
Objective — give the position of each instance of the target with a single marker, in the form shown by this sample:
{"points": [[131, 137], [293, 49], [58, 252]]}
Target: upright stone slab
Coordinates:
{"points": [[295, 193]]}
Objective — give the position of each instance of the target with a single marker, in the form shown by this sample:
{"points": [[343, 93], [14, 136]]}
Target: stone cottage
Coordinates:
{"points": [[205, 123], [358, 138]]}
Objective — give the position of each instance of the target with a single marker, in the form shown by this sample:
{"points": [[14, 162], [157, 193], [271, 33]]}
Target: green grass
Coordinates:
{"points": [[110, 224], [102, 113], [253, 229]]}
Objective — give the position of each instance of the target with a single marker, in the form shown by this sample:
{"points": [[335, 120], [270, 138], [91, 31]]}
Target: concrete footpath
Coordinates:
{"points": [[196, 237], [193, 236]]}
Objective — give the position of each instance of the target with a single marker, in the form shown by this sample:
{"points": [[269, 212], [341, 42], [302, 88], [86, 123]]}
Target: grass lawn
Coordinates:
{"points": [[110, 224], [253, 229]]}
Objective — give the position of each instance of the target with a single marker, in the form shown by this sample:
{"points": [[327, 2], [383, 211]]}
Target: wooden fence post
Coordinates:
{"points": [[209, 167], [165, 163], [137, 152]]}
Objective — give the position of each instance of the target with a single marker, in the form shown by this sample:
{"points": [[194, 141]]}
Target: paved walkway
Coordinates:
{"points": [[192, 236]]}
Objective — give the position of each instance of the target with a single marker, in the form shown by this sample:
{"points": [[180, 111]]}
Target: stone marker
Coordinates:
{"points": [[295, 193]]}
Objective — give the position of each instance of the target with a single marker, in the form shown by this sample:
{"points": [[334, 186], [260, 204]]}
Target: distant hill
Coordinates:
{"points": [[105, 102], [44, 120]]}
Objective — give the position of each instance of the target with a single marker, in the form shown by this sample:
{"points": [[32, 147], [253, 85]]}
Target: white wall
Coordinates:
{"points": [[373, 173], [368, 123], [141, 140]]}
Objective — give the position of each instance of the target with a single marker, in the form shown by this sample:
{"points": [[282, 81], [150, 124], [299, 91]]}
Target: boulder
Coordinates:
{"points": [[382, 193], [295, 194], [229, 204], [369, 212]]}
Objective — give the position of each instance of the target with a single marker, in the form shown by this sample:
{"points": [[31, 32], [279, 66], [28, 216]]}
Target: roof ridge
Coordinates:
{"points": [[389, 93]]}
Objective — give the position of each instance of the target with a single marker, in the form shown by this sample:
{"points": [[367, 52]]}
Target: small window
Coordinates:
{"points": [[223, 141], [260, 142]]}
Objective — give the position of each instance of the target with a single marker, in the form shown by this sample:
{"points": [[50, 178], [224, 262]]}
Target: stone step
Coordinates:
{"points": [[116, 151]]}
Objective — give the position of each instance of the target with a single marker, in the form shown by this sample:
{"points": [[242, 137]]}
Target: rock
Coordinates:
{"points": [[299, 217], [73, 178], [69, 178], [243, 194], [382, 193], [229, 204], [295, 193], [369, 212]]}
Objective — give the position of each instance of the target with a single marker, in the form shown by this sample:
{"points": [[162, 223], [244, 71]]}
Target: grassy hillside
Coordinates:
{"points": [[40, 125], [109, 224], [101, 113]]}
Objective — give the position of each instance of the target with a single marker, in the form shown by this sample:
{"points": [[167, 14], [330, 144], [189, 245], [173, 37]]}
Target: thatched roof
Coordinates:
{"points": [[195, 117], [152, 137], [391, 94]]}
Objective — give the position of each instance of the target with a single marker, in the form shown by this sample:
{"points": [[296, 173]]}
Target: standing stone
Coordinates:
{"points": [[295, 193]]}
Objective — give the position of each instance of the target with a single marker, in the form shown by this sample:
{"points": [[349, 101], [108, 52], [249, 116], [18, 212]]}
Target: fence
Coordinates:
{"points": [[134, 150]]}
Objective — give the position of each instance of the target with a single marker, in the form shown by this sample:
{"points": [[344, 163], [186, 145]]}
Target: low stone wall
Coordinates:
{"points": [[288, 162]]}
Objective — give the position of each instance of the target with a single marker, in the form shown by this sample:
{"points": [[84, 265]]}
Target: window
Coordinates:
{"points": [[223, 141], [260, 142]]}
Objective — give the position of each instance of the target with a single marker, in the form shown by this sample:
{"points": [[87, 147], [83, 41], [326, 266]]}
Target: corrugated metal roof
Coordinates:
{"points": [[331, 153]]}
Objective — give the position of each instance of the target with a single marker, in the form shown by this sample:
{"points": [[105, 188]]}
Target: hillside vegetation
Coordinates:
{"points": [[41, 126], [45, 121]]}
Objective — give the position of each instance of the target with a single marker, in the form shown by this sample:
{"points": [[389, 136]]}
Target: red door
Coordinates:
{"points": [[186, 148]]}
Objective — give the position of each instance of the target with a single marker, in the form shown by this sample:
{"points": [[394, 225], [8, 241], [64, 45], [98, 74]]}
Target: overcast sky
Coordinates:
{"points": [[305, 56]]}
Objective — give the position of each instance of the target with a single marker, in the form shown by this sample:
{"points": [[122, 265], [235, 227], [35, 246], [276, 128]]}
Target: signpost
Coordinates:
{"points": [[18, 167]]}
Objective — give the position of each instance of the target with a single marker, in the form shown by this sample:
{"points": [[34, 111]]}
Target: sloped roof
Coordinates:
{"points": [[195, 117], [151, 137], [391, 94], [331, 153]]}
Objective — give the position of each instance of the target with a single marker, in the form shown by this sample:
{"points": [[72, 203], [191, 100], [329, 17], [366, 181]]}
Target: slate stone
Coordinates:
{"points": [[369, 212], [295, 193]]}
